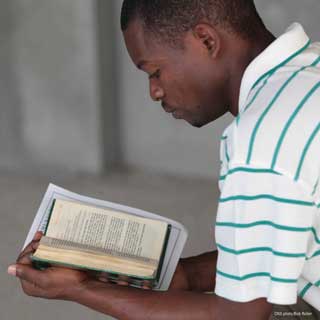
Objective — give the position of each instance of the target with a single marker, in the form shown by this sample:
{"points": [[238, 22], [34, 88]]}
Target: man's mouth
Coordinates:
{"points": [[177, 114]]}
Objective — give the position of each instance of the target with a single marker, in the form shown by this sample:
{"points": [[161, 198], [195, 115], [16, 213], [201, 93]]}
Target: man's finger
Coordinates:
{"points": [[146, 285], [32, 290], [122, 283], [103, 279], [37, 235], [123, 280], [24, 257], [27, 273], [32, 246]]}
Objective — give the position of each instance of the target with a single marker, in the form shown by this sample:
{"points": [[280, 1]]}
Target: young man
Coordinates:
{"points": [[205, 58]]}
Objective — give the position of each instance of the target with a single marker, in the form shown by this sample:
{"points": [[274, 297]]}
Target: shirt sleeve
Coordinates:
{"points": [[263, 235]]}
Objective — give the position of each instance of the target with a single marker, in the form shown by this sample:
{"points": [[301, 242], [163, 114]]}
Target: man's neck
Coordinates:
{"points": [[245, 52]]}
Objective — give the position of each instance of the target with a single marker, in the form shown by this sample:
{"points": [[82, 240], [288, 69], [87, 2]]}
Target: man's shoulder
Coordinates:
{"points": [[287, 84], [280, 125]]}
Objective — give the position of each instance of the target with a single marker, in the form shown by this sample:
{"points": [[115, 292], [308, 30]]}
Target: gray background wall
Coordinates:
{"points": [[49, 86]]}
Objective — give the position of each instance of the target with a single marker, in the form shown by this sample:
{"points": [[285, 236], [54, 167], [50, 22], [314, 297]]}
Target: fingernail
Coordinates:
{"points": [[12, 270]]}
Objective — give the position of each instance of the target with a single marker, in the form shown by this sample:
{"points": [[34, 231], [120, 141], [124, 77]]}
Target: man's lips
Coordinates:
{"points": [[178, 114]]}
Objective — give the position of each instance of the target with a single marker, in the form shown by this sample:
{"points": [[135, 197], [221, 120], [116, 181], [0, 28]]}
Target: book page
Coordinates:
{"points": [[107, 229]]}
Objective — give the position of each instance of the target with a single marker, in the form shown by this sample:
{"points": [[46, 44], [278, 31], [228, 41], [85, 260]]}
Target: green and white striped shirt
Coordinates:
{"points": [[268, 220]]}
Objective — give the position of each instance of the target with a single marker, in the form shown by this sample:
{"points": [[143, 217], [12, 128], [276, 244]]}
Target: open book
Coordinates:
{"points": [[110, 242], [109, 239]]}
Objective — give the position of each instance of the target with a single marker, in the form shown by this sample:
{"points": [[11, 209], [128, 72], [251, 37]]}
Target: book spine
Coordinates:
{"points": [[165, 243], [49, 217]]}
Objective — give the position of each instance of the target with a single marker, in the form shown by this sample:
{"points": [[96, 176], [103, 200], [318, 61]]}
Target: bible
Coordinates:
{"points": [[118, 233], [109, 243]]}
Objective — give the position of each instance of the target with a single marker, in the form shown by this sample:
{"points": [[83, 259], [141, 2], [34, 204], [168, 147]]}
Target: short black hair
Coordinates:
{"points": [[170, 19]]}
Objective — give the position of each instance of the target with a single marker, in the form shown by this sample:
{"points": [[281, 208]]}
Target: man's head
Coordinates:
{"points": [[187, 48]]}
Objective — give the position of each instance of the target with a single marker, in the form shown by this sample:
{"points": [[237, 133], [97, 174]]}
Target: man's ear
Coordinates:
{"points": [[209, 38]]}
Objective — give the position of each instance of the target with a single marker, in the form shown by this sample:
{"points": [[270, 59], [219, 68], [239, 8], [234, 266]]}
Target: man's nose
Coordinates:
{"points": [[156, 92]]}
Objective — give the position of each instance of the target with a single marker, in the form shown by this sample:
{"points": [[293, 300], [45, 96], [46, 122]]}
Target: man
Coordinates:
{"points": [[205, 58]]}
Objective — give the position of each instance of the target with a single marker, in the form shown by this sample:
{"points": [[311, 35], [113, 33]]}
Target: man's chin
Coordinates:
{"points": [[195, 123], [187, 117]]}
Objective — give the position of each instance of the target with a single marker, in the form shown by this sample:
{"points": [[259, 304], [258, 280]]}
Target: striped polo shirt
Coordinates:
{"points": [[268, 221]]}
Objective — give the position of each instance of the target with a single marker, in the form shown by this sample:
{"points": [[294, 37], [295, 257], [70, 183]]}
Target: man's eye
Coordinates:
{"points": [[155, 75]]}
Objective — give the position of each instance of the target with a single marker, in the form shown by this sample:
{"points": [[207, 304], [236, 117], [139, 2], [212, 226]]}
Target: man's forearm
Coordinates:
{"points": [[201, 271], [127, 303]]}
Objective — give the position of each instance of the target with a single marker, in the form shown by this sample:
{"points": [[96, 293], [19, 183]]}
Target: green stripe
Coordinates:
{"points": [[265, 112], [288, 124], [282, 63], [317, 253], [305, 150], [238, 118], [313, 230], [254, 97], [224, 137], [223, 177], [226, 151], [258, 91], [257, 274], [272, 224], [267, 196], [268, 74], [249, 170], [257, 249], [265, 76], [307, 287], [262, 222], [315, 187]]}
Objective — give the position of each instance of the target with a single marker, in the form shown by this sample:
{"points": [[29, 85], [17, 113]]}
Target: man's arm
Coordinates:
{"points": [[127, 303], [199, 272]]}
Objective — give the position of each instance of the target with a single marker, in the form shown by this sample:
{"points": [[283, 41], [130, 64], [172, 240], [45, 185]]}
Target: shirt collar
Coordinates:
{"points": [[288, 45]]}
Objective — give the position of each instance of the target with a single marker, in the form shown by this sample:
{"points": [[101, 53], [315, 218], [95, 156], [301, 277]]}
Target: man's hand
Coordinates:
{"points": [[180, 279], [196, 273], [52, 283]]}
